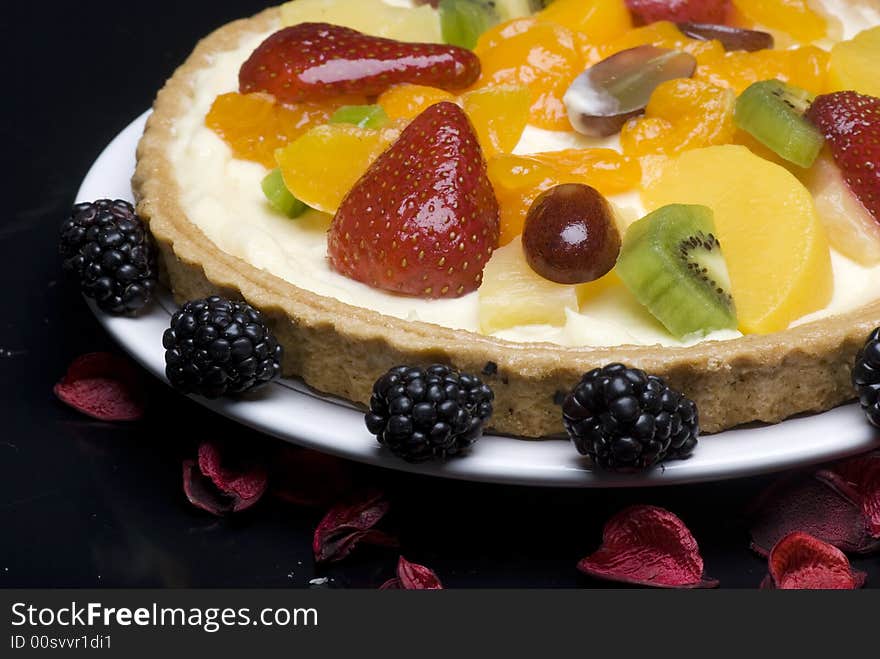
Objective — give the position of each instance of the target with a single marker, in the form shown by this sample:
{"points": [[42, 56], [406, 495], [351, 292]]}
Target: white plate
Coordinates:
{"points": [[292, 412]]}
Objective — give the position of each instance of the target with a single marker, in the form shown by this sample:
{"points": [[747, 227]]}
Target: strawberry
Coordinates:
{"points": [[423, 219], [851, 123], [679, 11], [314, 61]]}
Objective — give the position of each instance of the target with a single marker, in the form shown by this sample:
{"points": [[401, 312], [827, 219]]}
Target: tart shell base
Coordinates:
{"points": [[341, 350]]}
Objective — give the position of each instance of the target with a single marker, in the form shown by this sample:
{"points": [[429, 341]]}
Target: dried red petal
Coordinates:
{"points": [[416, 577], [811, 505], [241, 476], [312, 479], [801, 562], [863, 475], [224, 480], [103, 386], [648, 546], [350, 524], [839, 505], [202, 493], [391, 584]]}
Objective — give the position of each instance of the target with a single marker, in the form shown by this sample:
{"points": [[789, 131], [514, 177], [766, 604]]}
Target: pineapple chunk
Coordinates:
{"points": [[421, 24], [512, 293]]}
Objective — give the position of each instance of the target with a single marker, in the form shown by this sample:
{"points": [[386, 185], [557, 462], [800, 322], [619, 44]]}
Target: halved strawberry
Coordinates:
{"points": [[423, 220], [313, 61], [679, 11], [851, 124]]}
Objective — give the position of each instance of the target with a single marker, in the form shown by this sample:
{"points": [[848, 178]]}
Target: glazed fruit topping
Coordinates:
{"points": [[375, 17], [463, 21], [570, 235], [774, 244], [673, 264], [321, 166], [773, 113], [606, 95], [732, 38], [854, 63], [851, 229], [279, 196], [697, 11], [545, 57], [518, 180], [682, 114], [513, 294], [851, 123], [793, 17], [254, 126], [362, 116], [314, 61], [423, 220]]}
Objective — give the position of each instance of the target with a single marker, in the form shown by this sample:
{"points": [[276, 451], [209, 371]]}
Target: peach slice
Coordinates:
{"points": [[775, 245]]}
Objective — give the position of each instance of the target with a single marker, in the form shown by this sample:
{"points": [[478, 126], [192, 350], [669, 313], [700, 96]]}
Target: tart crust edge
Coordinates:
{"points": [[341, 349]]}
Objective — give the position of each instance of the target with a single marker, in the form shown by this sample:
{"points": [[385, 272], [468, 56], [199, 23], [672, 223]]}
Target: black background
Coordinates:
{"points": [[86, 504]]}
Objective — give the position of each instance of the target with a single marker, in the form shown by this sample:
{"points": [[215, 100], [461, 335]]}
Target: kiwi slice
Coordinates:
{"points": [[463, 21], [510, 9], [773, 113], [362, 116], [279, 196], [672, 262]]}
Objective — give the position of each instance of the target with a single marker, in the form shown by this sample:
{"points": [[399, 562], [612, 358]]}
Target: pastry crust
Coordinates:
{"points": [[341, 349]]}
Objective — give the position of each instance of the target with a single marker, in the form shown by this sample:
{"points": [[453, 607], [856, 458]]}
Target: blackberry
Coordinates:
{"points": [[216, 347], [106, 245], [866, 377], [626, 420], [436, 412]]}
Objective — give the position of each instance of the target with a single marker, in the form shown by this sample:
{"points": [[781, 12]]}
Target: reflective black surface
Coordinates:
{"points": [[89, 504]]}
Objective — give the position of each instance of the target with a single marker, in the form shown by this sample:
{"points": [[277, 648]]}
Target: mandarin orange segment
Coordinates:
{"points": [[499, 115], [543, 57], [805, 67], [255, 126], [662, 34], [607, 170], [519, 180], [598, 20], [409, 101], [682, 114], [793, 17], [322, 166]]}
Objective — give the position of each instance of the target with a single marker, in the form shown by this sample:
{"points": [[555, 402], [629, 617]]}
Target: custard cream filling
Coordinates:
{"points": [[223, 197]]}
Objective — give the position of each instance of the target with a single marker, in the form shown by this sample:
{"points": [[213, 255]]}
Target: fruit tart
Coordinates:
{"points": [[531, 189]]}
